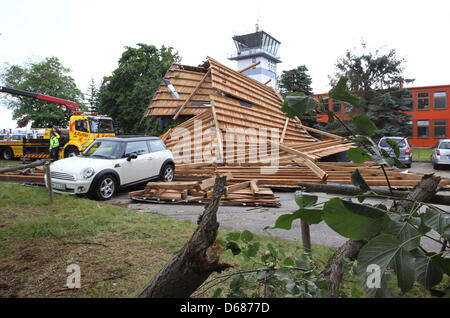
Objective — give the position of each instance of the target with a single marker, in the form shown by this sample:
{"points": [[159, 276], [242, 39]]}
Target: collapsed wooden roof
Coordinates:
{"points": [[222, 98]]}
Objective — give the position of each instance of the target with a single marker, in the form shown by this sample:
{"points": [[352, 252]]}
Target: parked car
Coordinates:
{"points": [[111, 163], [441, 153], [404, 147]]}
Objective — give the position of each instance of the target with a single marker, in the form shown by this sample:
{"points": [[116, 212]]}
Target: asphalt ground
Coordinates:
{"points": [[256, 219]]}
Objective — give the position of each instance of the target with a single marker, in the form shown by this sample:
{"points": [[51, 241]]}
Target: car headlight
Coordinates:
{"points": [[87, 173]]}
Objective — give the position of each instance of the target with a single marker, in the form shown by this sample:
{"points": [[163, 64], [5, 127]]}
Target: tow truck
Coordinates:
{"points": [[84, 128]]}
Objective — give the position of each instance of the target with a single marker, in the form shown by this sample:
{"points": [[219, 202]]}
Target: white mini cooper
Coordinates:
{"points": [[111, 163]]}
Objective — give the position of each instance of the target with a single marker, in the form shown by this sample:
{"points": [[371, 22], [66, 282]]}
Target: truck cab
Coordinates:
{"points": [[83, 130]]}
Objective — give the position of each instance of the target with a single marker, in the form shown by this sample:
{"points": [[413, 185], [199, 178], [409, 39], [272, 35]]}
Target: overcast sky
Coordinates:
{"points": [[88, 36]]}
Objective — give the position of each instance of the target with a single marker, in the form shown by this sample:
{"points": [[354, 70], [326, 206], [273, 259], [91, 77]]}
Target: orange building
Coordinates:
{"points": [[431, 114]]}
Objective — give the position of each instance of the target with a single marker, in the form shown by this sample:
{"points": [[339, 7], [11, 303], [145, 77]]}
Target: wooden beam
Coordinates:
{"points": [[268, 82], [284, 129], [323, 132], [209, 183], [316, 169], [292, 151], [254, 186], [249, 67], [218, 136], [192, 95]]}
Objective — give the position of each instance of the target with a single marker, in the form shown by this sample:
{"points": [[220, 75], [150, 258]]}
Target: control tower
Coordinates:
{"points": [[257, 47]]}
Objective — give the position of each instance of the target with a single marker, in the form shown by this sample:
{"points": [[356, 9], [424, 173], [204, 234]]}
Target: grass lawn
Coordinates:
{"points": [[421, 154], [118, 250], [4, 163]]}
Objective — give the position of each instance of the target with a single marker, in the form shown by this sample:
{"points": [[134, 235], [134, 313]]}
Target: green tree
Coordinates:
{"points": [[298, 82], [377, 79], [48, 77], [92, 96], [126, 94]]}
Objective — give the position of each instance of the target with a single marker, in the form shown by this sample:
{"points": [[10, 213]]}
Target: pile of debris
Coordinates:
{"points": [[247, 193], [32, 176], [220, 105]]}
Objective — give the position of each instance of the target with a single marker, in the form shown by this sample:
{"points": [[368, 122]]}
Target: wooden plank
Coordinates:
{"points": [[238, 186], [254, 186], [209, 183], [249, 67], [174, 185], [284, 130], [218, 135], [191, 95], [316, 169], [291, 150]]}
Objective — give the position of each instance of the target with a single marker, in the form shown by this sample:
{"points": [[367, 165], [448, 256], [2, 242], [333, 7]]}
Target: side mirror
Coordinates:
{"points": [[131, 156]]}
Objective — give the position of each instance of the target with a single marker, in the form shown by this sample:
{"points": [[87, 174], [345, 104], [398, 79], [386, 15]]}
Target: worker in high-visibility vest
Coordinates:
{"points": [[54, 145]]}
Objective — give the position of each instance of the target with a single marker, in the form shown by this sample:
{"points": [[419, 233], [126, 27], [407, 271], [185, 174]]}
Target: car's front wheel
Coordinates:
{"points": [[105, 188], [168, 173]]}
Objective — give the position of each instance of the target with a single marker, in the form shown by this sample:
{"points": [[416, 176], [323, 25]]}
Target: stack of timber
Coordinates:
{"points": [[288, 177], [246, 193], [34, 176]]}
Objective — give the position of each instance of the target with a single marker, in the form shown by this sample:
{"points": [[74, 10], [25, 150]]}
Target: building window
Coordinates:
{"points": [[348, 108], [440, 100], [423, 100], [271, 66], [325, 103], [336, 107], [423, 128], [440, 128], [410, 125]]}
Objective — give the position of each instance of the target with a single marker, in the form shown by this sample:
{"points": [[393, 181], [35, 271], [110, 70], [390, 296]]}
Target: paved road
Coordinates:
{"points": [[255, 220]]}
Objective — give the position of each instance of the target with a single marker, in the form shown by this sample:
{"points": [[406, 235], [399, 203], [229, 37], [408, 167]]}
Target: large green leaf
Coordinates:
{"points": [[299, 105], [351, 220], [364, 123], [340, 92], [404, 228], [310, 216], [304, 199], [404, 263], [358, 155], [443, 262], [428, 272], [394, 146], [358, 181], [438, 221], [381, 251]]}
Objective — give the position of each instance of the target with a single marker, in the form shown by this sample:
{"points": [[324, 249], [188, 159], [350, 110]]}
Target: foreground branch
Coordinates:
{"points": [[191, 266], [422, 192]]}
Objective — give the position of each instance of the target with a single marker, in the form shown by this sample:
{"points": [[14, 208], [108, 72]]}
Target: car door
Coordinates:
{"points": [[157, 155], [136, 169]]}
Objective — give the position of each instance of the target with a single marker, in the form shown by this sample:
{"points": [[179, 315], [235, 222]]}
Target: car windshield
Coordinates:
{"points": [[444, 145], [101, 125], [401, 142], [104, 149]]}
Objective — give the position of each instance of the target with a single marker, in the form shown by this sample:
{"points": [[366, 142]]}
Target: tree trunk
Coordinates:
{"points": [[21, 167], [422, 192], [199, 257]]}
